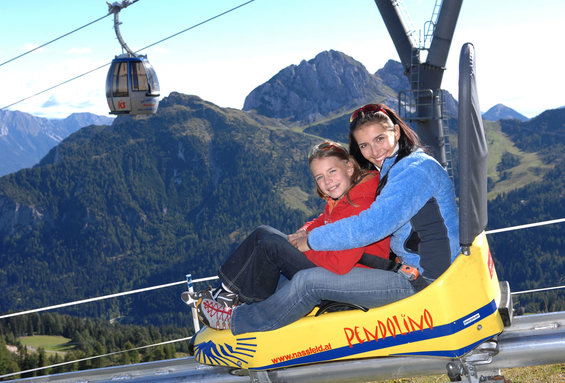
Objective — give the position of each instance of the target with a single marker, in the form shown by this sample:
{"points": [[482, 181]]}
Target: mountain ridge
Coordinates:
{"points": [[328, 84], [500, 111], [25, 139], [147, 200], [136, 202]]}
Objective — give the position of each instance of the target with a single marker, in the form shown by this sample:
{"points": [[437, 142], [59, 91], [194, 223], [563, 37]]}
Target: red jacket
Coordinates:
{"points": [[362, 196]]}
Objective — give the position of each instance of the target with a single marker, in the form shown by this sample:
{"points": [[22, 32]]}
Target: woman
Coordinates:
{"points": [[252, 272], [424, 228], [416, 207]]}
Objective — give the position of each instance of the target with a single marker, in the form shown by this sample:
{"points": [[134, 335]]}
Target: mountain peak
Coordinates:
{"points": [[86, 118], [393, 76], [25, 139], [500, 111], [330, 83]]}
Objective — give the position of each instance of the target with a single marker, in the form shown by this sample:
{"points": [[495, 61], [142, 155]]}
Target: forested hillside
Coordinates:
{"points": [[544, 134], [81, 339], [535, 257], [145, 202]]}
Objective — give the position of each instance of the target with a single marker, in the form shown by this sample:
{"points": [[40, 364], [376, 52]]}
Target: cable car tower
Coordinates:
{"points": [[423, 103], [131, 85]]}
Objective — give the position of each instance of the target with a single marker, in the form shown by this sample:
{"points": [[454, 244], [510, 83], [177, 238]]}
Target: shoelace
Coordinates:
{"points": [[217, 310], [216, 292]]}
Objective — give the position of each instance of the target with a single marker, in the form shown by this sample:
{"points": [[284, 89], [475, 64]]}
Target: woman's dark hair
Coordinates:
{"points": [[333, 149], [407, 143]]}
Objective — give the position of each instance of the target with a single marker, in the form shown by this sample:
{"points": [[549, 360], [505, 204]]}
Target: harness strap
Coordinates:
{"points": [[413, 275], [375, 262], [419, 284], [409, 272]]}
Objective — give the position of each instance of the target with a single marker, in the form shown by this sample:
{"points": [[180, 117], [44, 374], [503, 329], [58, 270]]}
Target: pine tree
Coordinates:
{"points": [[8, 363]]}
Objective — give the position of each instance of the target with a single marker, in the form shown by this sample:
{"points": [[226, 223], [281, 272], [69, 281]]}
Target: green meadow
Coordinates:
{"points": [[530, 169], [50, 343]]}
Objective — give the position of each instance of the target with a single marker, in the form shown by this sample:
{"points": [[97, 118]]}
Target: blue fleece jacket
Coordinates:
{"points": [[416, 208]]}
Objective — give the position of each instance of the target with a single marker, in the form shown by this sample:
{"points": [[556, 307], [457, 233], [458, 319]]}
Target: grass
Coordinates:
{"points": [[553, 373], [530, 169], [50, 343], [296, 198]]}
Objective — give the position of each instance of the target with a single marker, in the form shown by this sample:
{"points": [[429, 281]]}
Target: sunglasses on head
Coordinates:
{"points": [[325, 146], [369, 108]]}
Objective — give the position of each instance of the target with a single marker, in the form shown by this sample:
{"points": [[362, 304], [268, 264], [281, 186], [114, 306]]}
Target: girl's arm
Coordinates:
{"points": [[341, 262]]}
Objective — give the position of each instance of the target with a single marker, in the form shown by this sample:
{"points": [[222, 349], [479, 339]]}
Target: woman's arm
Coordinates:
{"points": [[302, 233], [410, 185]]}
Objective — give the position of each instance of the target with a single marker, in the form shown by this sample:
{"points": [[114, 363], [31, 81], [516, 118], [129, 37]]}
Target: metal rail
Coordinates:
{"points": [[531, 340]]}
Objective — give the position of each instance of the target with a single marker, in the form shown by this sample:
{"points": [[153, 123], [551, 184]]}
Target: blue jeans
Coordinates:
{"points": [[296, 298], [254, 268]]}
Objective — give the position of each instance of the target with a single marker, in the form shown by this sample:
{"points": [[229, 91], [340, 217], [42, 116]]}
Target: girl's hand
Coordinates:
{"points": [[302, 244], [293, 238]]}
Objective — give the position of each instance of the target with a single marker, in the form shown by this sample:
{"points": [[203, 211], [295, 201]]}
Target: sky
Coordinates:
{"points": [[517, 46]]}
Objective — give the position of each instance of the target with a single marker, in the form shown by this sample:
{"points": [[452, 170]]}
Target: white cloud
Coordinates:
{"points": [[158, 50], [79, 51], [30, 46], [51, 102]]}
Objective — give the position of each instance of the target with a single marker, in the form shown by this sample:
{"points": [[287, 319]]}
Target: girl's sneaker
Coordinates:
{"points": [[220, 295], [213, 314]]}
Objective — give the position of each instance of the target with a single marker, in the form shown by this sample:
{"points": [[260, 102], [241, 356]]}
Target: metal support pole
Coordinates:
{"points": [[424, 76], [115, 8], [195, 321]]}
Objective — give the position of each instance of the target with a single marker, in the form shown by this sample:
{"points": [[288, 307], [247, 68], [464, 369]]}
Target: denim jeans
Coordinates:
{"points": [[296, 298], [254, 268]]}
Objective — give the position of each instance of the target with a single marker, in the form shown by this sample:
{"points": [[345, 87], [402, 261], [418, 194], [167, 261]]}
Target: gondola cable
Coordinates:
{"points": [[197, 25], [148, 46], [55, 86], [55, 39], [52, 41]]}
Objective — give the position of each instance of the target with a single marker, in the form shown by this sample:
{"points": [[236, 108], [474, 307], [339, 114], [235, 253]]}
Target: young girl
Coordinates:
{"points": [[252, 272]]}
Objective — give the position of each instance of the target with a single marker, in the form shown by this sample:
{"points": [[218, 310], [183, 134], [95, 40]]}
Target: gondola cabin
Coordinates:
{"points": [[132, 86]]}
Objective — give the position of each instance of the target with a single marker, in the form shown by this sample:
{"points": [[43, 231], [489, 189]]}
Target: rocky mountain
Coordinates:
{"points": [[25, 139], [329, 86], [502, 112], [332, 83], [392, 74], [331, 71], [145, 201]]}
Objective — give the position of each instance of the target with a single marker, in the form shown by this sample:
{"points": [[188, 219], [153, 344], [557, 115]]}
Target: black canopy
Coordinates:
{"points": [[473, 152]]}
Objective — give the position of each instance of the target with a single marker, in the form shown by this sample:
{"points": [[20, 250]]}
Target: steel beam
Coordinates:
{"points": [[531, 340]]}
